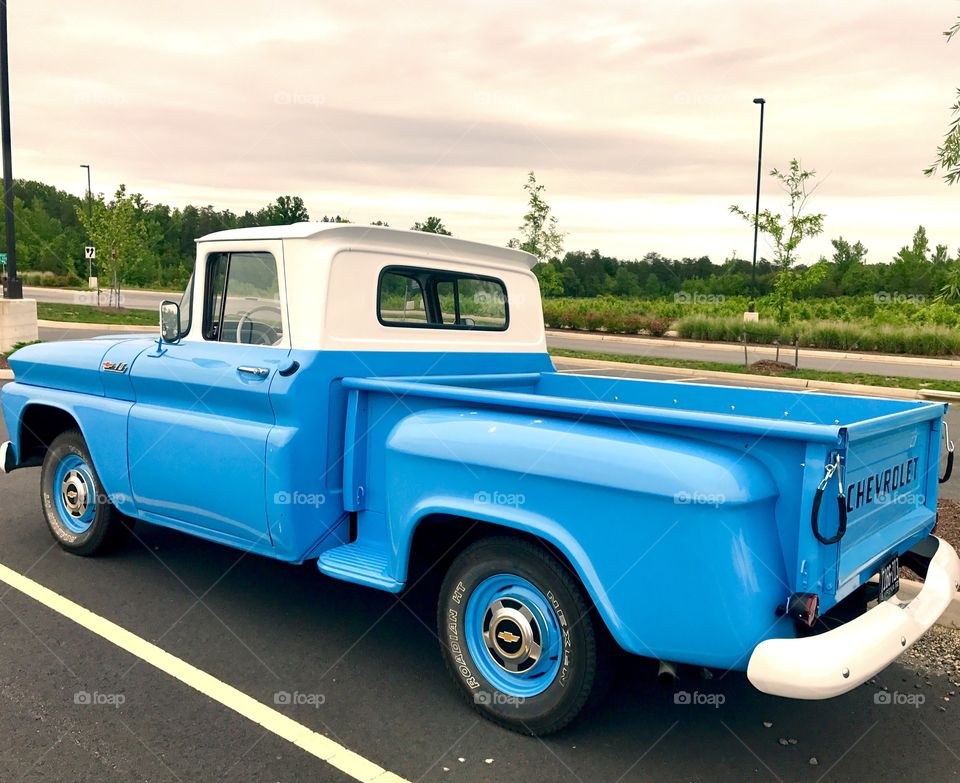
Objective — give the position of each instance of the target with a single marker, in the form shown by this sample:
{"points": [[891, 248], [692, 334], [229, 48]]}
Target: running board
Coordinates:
{"points": [[360, 564]]}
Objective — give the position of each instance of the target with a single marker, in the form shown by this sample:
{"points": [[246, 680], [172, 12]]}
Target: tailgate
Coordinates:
{"points": [[889, 471]]}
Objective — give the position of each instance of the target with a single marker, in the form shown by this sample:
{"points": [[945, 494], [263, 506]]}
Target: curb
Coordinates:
{"points": [[6, 375], [113, 328], [927, 395], [949, 619], [819, 353]]}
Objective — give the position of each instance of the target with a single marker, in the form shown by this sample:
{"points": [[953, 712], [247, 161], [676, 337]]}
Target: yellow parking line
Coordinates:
{"points": [[325, 749]]}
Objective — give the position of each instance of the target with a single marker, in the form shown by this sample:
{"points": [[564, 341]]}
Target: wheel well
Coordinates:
{"points": [[439, 538], [39, 426]]}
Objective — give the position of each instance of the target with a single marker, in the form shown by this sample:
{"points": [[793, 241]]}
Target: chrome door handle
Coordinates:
{"points": [[258, 372]]}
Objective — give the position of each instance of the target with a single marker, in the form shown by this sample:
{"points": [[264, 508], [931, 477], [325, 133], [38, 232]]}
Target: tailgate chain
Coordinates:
{"points": [[829, 470], [946, 437]]}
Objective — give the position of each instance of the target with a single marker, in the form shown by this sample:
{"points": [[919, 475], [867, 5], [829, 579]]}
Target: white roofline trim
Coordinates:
{"points": [[357, 236]]}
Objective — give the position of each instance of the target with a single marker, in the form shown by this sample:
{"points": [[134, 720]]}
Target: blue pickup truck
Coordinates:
{"points": [[381, 402]]}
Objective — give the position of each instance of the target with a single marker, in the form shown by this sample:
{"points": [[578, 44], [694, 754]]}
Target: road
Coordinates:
{"points": [[716, 352], [138, 300], [366, 669]]}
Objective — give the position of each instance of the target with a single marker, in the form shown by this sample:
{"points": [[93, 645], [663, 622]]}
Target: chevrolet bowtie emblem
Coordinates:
{"points": [[509, 638]]}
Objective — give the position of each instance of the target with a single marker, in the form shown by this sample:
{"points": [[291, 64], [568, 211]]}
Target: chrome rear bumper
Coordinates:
{"points": [[831, 663]]}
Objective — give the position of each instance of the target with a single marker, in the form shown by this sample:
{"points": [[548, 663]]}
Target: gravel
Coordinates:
{"points": [[937, 653], [948, 526]]}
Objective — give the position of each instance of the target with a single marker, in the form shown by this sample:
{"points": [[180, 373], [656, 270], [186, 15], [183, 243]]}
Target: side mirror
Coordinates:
{"points": [[170, 321]]}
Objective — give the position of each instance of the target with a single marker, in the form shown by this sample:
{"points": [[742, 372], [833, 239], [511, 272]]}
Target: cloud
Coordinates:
{"points": [[624, 112]]}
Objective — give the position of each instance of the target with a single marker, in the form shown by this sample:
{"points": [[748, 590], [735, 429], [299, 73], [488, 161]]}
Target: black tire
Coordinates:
{"points": [[580, 644], [101, 526]]}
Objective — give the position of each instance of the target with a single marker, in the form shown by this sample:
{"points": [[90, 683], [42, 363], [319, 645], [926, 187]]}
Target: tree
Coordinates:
{"points": [[432, 225], [286, 210], [950, 292], [539, 234], [948, 154], [550, 278], [119, 235], [787, 234]]}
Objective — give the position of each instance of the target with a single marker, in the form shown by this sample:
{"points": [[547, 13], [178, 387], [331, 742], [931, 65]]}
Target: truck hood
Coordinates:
{"points": [[77, 365]]}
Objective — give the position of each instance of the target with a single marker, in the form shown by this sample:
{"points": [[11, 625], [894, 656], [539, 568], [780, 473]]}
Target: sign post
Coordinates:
{"points": [[90, 255]]}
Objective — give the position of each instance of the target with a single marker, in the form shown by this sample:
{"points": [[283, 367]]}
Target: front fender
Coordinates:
{"points": [[102, 422]]}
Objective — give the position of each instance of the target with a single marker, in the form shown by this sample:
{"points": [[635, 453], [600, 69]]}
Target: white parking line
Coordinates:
{"points": [[325, 749]]}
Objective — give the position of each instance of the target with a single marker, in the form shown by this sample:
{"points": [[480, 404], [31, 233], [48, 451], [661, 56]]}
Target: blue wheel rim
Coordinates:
{"points": [[75, 494], [513, 635]]}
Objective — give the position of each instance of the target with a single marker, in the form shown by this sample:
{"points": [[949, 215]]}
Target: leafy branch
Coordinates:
{"points": [[948, 153]]}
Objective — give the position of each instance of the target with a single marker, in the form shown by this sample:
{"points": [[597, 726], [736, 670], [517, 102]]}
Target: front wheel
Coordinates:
{"points": [[518, 636], [80, 516]]}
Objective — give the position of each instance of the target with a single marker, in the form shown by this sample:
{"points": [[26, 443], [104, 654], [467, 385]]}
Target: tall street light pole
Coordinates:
{"points": [[13, 287], [89, 211], [756, 213]]}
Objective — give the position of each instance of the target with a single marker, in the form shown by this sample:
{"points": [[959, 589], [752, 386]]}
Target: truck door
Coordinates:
{"points": [[197, 434]]}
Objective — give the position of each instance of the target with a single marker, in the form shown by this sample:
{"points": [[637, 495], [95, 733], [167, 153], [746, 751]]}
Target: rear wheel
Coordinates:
{"points": [[518, 635], [79, 515]]}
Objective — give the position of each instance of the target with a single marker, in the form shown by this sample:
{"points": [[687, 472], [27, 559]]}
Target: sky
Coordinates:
{"points": [[637, 117]]}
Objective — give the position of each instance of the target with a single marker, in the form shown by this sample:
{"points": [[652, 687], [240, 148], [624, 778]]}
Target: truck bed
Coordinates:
{"points": [[790, 437]]}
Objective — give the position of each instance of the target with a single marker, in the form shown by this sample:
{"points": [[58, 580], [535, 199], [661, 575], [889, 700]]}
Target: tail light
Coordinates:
{"points": [[803, 607]]}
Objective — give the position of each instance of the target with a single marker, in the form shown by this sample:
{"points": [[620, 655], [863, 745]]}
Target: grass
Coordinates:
{"points": [[87, 314], [888, 381]]}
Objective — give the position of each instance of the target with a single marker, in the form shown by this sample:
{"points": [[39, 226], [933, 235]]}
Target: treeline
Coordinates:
{"points": [[917, 270], [51, 238]]}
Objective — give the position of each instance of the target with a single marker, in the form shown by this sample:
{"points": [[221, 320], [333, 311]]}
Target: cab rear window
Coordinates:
{"points": [[438, 299]]}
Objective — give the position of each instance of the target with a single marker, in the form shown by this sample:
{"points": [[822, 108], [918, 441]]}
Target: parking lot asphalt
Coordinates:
{"points": [[363, 668]]}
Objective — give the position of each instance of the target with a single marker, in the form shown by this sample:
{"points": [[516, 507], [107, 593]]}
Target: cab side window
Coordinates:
{"points": [[242, 299]]}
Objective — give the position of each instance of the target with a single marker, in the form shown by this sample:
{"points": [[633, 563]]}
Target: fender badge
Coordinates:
{"points": [[115, 366]]}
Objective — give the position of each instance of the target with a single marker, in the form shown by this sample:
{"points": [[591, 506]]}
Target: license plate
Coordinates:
{"points": [[889, 580]]}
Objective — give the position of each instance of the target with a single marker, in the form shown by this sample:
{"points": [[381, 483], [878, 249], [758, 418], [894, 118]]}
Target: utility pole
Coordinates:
{"points": [[756, 214], [18, 316], [89, 211], [13, 286]]}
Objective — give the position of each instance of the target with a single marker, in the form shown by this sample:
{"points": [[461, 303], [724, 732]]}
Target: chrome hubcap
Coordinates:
{"points": [[512, 635], [75, 494]]}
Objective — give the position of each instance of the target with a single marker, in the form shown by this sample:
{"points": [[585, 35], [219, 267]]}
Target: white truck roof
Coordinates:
{"points": [[357, 236]]}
